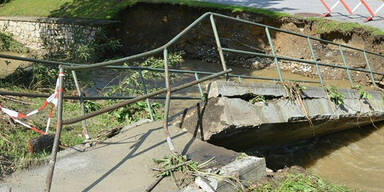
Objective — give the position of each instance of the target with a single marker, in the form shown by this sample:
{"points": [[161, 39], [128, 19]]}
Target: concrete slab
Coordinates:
{"points": [[122, 163], [228, 119]]}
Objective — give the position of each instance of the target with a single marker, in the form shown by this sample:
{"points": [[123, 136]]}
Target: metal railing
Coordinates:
{"points": [[63, 66]]}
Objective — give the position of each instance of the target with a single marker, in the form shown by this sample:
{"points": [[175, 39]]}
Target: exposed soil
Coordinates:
{"points": [[164, 21]]}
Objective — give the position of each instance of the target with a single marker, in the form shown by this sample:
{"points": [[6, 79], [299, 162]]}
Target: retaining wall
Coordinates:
{"points": [[46, 33]]}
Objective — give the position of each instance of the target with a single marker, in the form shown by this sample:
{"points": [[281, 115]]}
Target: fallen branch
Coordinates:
{"points": [[14, 100], [154, 184]]}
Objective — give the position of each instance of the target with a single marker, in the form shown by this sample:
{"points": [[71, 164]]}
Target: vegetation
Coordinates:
{"points": [[101, 9], [14, 137], [363, 94], [257, 98], [180, 166], [293, 181], [335, 95], [9, 44]]}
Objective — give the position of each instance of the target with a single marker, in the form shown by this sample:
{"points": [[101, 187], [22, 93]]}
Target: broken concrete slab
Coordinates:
{"points": [[121, 163], [229, 120], [246, 169]]}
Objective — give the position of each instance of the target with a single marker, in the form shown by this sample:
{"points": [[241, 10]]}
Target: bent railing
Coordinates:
{"points": [[112, 64]]}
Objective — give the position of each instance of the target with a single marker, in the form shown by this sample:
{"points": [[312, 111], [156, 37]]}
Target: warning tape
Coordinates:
{"points": [[372, 13], [362, 2], [53, 99]]}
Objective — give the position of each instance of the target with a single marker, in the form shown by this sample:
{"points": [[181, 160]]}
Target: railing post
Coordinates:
{"points": [[55, 148], [273, 53], [315, 60], [83, 123], [369, 68], [145, 92], [167, 101], [219, 48], [345, 65], [199, 85]]}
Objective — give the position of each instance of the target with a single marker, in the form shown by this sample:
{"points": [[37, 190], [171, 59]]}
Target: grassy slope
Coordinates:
{"points": [[108, 9]]}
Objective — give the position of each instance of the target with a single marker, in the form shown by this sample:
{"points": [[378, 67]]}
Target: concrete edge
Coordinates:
{"points": [[247, 170], [234, 89]]}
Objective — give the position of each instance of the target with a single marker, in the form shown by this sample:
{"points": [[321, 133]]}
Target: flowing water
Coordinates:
{"points": [[354, 158]]}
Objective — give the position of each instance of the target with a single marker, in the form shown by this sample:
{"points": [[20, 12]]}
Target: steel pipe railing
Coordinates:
{"points": [[111, 64]]}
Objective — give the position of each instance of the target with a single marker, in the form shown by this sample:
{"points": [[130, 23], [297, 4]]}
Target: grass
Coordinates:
{"points": [[326, 26], [7, 43], [13, 140], [102, 9], [293, 181]]}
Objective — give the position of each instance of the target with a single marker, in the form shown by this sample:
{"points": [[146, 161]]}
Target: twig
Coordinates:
{"points": [[5, 139], [171, 168], [153, 185], [15, 100]]}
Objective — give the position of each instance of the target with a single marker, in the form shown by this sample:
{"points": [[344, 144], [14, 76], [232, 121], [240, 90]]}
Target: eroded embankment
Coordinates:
{"points": [[164, 21]]}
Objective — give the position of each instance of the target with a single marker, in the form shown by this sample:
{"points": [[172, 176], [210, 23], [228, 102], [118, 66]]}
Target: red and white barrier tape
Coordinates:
{"points": [[362, 2], [51, 99], [372, 13], [335, 5]]}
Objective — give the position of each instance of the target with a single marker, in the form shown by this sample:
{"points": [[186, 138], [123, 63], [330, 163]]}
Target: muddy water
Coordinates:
{"points": [[354, 158]]}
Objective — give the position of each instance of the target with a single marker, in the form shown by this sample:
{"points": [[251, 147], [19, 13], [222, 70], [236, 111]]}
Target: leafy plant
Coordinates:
{"points": [[335, 95], [136, 111], [257, 98], [7, 43], [363, 94], [91, 106], [131, 83]]}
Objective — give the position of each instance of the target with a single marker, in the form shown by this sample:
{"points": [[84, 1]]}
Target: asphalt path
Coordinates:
{"points": [[315, 6]]}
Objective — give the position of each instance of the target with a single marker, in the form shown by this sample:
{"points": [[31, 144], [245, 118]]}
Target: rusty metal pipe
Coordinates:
{"points": [[55, 148]]}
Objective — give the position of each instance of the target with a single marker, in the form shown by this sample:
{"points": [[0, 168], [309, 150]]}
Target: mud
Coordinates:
{"points": [[164, 21]]}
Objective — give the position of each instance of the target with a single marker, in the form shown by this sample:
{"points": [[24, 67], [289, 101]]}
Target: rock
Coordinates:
{"points": [[258, 63], [41, 143]]}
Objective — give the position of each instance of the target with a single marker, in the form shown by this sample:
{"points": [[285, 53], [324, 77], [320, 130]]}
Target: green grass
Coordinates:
{"points": [[326, 26], [305, 182], [7, 43], [102, 9], [13, 140]]}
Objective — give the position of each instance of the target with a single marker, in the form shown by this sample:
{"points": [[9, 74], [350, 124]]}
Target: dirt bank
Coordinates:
{"points": [[147, 26]]}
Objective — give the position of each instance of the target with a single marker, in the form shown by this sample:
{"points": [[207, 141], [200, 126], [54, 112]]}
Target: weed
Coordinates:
{"points": [[241, 156], [9, 44], [335, 95], [136, 111], [257, 98], [363, 94], [91, 106], [292, 182], [188, 170]]}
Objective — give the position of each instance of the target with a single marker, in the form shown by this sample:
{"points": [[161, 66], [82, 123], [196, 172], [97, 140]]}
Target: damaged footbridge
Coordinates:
{"points": [[231, 114]]}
